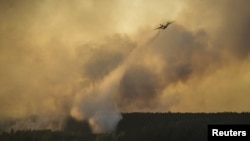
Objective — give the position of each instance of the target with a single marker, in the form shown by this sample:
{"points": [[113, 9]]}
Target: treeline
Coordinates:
{"points": [[174, 126], [46, 135], [137, 127]]}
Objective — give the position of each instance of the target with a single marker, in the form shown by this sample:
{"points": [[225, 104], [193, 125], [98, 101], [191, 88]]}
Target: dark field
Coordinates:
{"points": [[137, 127]]}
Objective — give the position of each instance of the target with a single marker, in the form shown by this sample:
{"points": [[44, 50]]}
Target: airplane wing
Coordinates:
{"points": [[160, 27], [170, 22]]}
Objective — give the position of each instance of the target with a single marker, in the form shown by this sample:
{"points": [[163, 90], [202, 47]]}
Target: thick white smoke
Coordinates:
{"points": [[97, 104]]}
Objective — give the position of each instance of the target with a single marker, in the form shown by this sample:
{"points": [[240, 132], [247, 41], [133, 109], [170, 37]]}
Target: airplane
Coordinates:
{"points": [[163, 27]]}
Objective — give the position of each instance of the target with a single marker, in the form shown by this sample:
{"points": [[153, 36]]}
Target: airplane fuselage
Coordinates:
{"points": [[164, 26]]}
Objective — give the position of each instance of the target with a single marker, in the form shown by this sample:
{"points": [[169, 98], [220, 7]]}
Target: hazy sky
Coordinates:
{"points": [[54, 51]]}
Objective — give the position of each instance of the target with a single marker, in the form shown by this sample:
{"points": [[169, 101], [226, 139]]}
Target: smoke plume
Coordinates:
{"points": [[92, 60]]}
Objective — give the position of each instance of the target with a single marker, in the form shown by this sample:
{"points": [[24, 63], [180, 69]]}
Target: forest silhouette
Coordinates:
{"points": [[136, 127]]}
